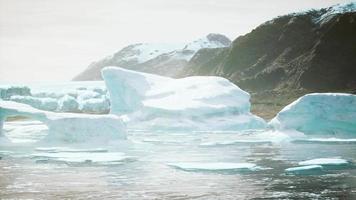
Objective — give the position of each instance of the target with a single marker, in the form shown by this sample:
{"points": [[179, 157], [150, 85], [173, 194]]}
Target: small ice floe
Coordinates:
{"points": [[67, 149], [235, 142], [77, 157], [305, 170], [215, 166], [319, 166], [327, 163], [327, 141]]}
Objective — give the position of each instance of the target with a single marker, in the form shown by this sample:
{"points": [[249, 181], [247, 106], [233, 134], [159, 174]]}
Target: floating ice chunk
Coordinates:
{"points": [[214, 166], [149, 101], [327, 141], [83, 157], [305, 170], [319, 113], [235, 142], [67, 149], [325, 162], [69, 127]]}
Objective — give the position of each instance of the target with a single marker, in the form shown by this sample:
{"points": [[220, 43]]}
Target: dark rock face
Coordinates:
{"points": [[315, 51], [219, 38]]}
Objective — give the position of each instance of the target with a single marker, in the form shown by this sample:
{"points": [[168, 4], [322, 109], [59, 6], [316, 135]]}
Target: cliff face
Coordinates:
{"points": [[315, 50]]}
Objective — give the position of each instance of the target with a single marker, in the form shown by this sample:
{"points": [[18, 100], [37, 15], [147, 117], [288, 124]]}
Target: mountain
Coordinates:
{"points": [[162, 59], [313, 51]]}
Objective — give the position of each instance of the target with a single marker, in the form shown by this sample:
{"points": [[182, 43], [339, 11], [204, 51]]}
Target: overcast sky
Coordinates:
{"points": [[42, 40]]}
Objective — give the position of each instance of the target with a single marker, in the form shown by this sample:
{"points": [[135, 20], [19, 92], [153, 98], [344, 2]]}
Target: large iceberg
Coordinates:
{"points": [[68, 127], [147, 101], [319, 113]]}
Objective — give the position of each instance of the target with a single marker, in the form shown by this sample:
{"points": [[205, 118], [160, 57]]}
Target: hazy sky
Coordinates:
{"points": [[43, 40]]}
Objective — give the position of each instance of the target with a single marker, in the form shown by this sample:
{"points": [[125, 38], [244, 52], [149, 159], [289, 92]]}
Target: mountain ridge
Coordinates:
{"points": [[314, 50], [163, 59]]}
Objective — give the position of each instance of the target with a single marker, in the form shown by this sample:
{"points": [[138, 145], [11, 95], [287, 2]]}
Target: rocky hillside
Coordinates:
{"points": [[163, 59], [313, 50]]}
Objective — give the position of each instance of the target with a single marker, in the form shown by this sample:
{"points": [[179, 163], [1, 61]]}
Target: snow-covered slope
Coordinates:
{"points": [[68, 127], [320, 113], [328, 13], [148, 101], [163, 59]]}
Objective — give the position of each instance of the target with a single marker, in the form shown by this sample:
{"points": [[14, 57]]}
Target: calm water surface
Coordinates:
{"points": [[145, 173]]}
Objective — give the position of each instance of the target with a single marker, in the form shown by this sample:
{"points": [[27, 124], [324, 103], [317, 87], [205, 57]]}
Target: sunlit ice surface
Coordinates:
{"points": [[173, 165]]}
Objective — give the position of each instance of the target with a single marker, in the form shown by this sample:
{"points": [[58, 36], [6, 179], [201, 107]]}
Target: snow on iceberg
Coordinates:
{"points": [[69, 127], [319, 113], [148, 101]]}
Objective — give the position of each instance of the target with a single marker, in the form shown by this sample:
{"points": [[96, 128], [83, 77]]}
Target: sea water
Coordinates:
{"points": [[172, 165]]}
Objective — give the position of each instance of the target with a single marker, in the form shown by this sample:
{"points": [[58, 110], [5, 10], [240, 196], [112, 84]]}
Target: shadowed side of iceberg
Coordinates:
{"points": [[148, 101], [68, 127], [320, 114]]}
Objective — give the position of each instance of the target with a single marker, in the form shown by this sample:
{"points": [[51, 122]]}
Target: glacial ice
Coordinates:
{"points": [[69, 127], [319, 113], [214, 166], [147, 101]]}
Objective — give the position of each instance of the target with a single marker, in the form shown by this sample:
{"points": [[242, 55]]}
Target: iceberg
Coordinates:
{"points": [[85, 97], [319, 113], [7, 91], [68, 127], [68, 104], [47, 103], [147, 101], [95, 105], [214, 166]]}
